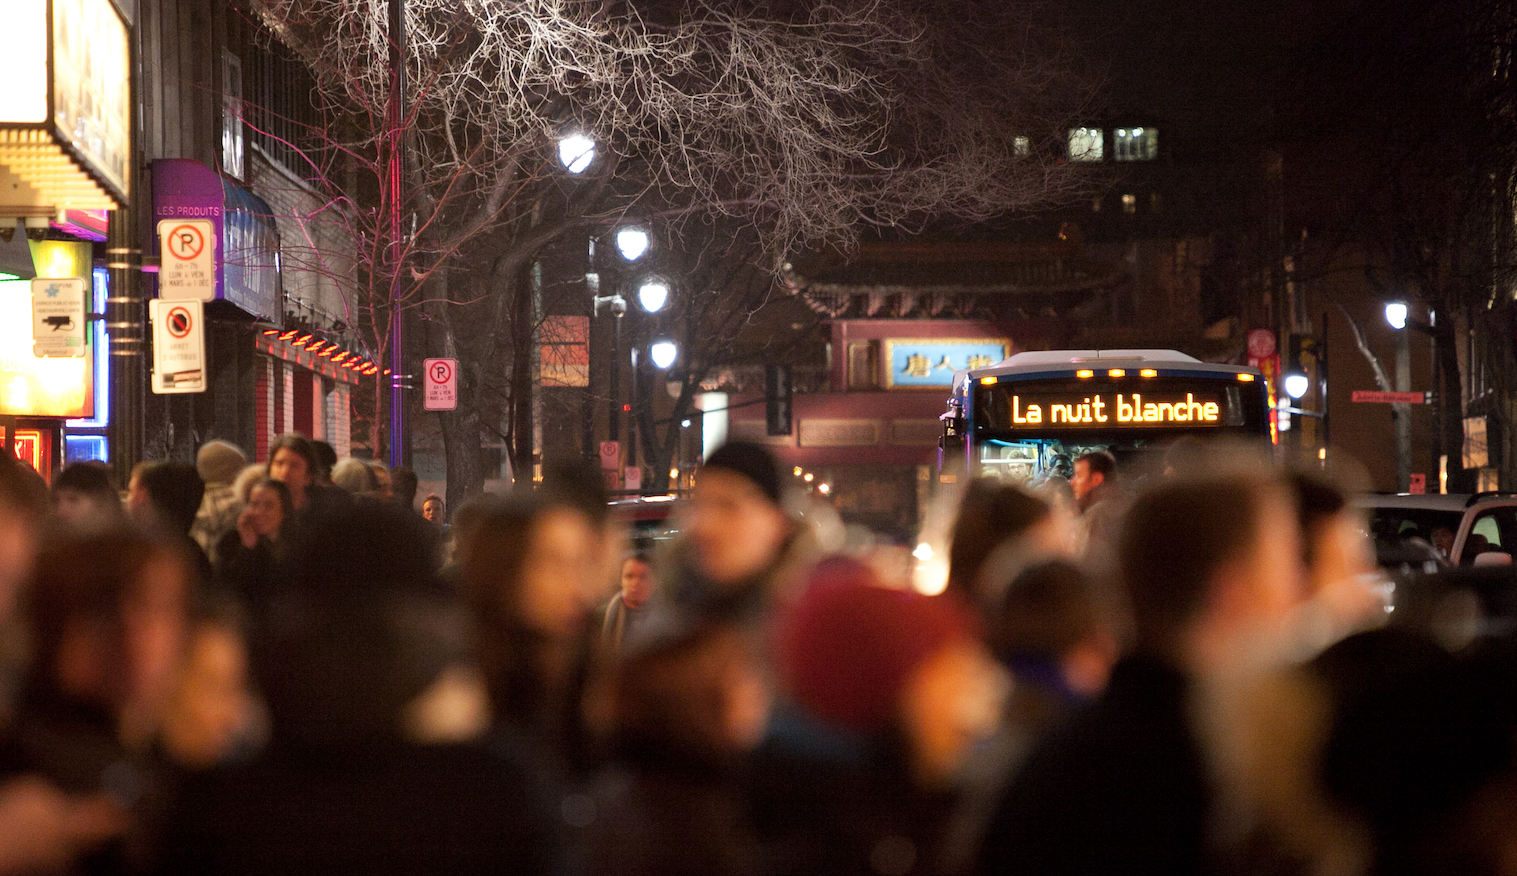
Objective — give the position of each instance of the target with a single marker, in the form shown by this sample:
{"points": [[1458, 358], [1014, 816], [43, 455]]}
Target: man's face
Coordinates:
{"points": [[290, 468], [637, 582], [431, 511], [1084, 479], [735, 530]]}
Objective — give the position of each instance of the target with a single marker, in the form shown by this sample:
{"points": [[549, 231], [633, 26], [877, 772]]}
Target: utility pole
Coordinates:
{"points": [[1402, 413], [395, 117]]}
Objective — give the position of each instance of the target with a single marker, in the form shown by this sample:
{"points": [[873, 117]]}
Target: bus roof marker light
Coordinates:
{"points": [[1246, 378], [1148, 372], [987, 381], [1085, 372], [1117, 372]]}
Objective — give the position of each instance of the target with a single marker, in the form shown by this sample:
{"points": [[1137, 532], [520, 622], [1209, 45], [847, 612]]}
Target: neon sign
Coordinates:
{"points": [[1108, 409]]}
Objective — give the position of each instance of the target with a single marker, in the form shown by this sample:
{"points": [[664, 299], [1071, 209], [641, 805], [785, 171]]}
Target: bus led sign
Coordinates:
{"points": [[1113, 409]]}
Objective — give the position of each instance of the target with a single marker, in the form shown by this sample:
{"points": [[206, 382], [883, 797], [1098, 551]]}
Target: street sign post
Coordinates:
{"points": [[186, 259], [58, 318], [632, 478], [1390, 398], [441, 382], [610, 455], [178, 346]]}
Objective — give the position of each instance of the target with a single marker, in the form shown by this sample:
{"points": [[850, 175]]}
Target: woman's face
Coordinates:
{"points": [[559, 586], [265, 511]]}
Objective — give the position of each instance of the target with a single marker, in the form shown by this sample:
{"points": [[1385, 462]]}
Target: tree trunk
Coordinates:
{"points": [[523, 378], [1450, 410], [462, 436]]}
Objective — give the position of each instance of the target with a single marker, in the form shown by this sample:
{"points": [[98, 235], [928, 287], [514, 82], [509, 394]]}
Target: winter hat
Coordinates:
{"points": [[848, 646], [219, 462], [752, 462]]}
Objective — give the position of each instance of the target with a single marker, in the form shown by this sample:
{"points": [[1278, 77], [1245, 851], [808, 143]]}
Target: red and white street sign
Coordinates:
{"points": [[1390, 398], [610, 455], [178, 346], [440, 382], [186, 259]]}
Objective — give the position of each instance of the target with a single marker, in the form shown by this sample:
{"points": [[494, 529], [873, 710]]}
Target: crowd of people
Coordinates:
{"points": [[292, 666]]}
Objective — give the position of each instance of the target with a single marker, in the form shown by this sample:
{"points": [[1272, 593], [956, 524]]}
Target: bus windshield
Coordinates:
{"points": [[1023, 426]]}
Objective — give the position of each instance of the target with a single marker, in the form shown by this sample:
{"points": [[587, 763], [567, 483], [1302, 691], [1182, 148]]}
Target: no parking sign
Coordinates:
{"points": [[441, 384]]}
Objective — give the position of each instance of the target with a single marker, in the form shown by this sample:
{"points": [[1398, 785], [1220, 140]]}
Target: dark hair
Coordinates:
{"points": [[494, 543], [572, 482], [1048, 609], [286, 501], [403, 485], [22, 489], [1174, 539], [1099, 462], [644, 557], [175, 489], [668, 694], [295, 444], [1318, 500], [991, 514], [86, 576], [356, 626], [325, 456], [92, 477]]}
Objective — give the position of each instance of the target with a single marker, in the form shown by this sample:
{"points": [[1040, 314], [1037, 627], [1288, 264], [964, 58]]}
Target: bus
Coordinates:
{"points": [[1036, 412]]}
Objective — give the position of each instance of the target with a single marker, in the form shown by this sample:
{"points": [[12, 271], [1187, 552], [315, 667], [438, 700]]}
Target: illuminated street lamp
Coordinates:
{"points": [[1395, 314], [652, 295], [632, 243], [575, 152], [1297, 384], [663, 354]]}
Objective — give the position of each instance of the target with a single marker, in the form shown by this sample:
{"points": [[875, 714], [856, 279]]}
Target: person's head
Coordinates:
{"points": [[434, 510], [1092, 470], [1211, 565], [109, 617], [269, 506], [85, 495], [23, 505], [531, 573], [326, 458], [212, 708], [637, 580], [404, 484], [868, 659], [1053, 613], [736, 525], [697, 694], [219, 462], [354, 476], [384, 490], [991, 514], [293, 462], [356, 626], [1337, 555], [165, 495], [1442, 538]]}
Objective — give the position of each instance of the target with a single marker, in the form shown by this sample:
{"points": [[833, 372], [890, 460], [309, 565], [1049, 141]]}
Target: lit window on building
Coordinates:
{"points": [[1130, 204], [1021, 147], [1135, 144], [1086, 144]]}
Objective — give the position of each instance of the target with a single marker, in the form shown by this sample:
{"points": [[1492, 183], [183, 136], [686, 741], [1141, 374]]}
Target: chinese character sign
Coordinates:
{"points": [[931, 362]]}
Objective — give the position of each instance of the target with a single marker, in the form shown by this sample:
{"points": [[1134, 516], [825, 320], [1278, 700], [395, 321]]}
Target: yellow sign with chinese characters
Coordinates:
{"points": [[931, 362]]}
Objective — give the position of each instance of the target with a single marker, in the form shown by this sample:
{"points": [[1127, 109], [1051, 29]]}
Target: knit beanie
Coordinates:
{"points": [[848, 646], [219, 462], [753, 462]]}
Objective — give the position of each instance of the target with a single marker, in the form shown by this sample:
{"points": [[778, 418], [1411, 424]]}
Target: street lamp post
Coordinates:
{"points": [[395, 119], [1396, 314]]}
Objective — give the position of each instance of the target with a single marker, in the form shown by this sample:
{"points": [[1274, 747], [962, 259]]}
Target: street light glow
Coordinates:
{"points": [[632, 243], [575, 152], [652, 295], [1395, 314], [1296, 385], [663, 353]]}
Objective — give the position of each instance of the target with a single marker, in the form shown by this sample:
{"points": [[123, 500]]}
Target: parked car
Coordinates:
{"points": [[1453, 529], [649, 519]]}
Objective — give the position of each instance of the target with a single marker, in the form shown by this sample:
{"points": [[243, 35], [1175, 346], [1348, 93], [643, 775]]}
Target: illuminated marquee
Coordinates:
{"points": [[1113, 409]]}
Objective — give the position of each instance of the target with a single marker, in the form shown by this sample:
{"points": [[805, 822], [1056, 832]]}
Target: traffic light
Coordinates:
{"points": [[778, 394]]}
